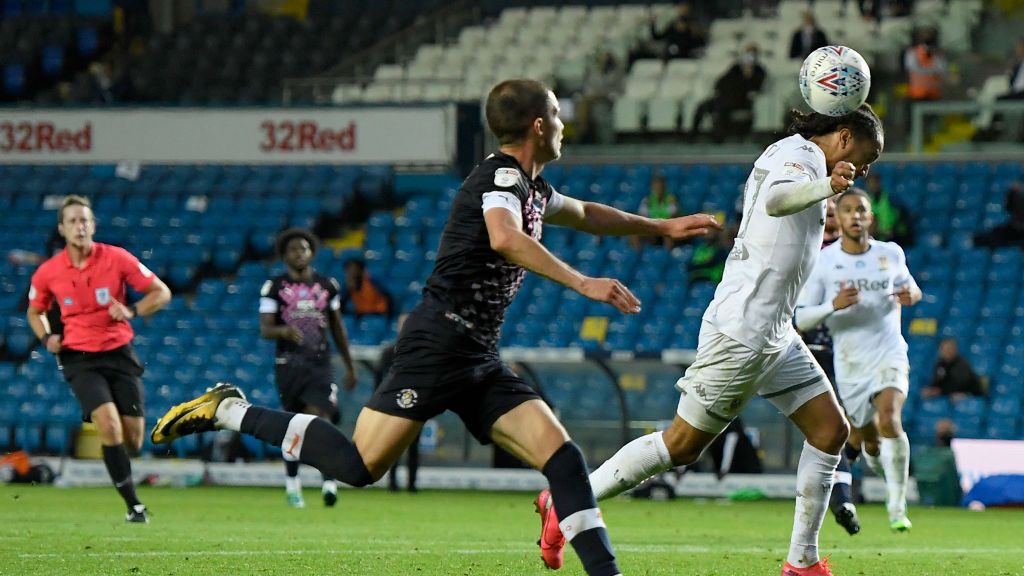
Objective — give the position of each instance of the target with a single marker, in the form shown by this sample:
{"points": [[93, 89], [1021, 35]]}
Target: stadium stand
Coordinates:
{"points": [[208, 230]]}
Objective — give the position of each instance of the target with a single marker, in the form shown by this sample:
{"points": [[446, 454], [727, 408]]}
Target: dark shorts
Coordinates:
{"points": [[100, 377], [438, 368], [307, 384]]}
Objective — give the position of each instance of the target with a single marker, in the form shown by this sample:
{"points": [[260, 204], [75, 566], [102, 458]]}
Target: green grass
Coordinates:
{"points": [[217, 531]]}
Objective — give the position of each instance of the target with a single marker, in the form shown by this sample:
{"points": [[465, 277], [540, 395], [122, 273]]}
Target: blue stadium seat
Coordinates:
{"points": [[1002, 428]]}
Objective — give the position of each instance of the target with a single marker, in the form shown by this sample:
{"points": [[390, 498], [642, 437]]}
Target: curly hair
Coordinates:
{"points": [[284, 237]]}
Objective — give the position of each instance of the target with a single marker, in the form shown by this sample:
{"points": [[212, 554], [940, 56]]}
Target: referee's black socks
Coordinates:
{"points": [[119, 466], [577, 510], [312, 440]]}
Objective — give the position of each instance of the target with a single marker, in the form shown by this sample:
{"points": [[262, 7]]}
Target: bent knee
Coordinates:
{"points": [[831, 438], [890, 425]]}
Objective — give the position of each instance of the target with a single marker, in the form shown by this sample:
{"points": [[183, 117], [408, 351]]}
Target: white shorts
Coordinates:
{"points": [[858, 397], [726, 374]]}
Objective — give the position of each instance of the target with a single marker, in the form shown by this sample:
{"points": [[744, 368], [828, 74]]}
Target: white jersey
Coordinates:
{"points": [[866, 336], [772, 256]]}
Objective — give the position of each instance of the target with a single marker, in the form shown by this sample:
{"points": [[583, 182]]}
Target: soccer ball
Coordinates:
{"points": [[835, 80]]}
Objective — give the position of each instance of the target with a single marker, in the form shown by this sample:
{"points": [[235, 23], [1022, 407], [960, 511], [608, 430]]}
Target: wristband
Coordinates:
{"points": [[46, 338], [135, 311]]}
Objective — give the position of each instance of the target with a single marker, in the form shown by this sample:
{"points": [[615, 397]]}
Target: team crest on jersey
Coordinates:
{"points": [[506, 177], [406, 398], [103, 296], [68, 301], [883, 262]]}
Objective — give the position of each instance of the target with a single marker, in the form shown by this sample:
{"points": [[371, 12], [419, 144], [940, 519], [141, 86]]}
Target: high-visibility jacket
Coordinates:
{"points": [[925, 79]]}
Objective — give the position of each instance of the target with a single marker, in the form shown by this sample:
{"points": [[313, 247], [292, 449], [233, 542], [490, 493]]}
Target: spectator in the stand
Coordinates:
{"points": [[1011, 232], [683, 36], [659, 204], [807, 38], [1016, 74], [926, 67], [708, 261], [871, 10], [731, 106], [953, 376], [602, 84], [361, 294], [892, 221]]}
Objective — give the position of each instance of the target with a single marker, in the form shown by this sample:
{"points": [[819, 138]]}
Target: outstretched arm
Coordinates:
{"points": [[605, 220], [508, 239]]}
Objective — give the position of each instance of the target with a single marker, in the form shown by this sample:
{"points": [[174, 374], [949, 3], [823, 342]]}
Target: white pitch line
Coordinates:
{"points": [[517, 550]]}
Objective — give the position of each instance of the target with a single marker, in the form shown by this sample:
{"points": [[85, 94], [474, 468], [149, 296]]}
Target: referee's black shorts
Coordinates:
{"points": [[437, 367], [100, 377]]}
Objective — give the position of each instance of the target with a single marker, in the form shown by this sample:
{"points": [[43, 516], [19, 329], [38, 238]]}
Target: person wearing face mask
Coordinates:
{"points": [[683, 36], [807, 38], [926, 68], [731, 106], [603, 83]]}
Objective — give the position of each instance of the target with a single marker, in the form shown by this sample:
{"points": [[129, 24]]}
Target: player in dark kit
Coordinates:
{"points": [[296, 309], [819, 342], [446, 357], [87, 279]]}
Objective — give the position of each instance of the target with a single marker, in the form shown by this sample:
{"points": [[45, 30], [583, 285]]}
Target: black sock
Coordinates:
{"points": [[851, 453], [324, 446], [841, 493], [566, 472], [291, 468], [119, 466]]}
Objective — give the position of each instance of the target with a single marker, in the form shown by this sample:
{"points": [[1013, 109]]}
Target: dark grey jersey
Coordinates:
{"points": [[471, 283]]}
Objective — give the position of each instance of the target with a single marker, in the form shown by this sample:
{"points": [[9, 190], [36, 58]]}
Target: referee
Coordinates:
{"points": [[87, 279]]}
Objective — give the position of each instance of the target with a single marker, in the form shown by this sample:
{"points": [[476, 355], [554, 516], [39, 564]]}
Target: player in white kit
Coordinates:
{"points": [[747, 342], [857, 289]]}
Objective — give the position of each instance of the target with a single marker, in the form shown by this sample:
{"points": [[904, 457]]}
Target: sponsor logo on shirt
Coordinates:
{"points": [[863, 284], [406, 398], [68, 301], [506, 177]]}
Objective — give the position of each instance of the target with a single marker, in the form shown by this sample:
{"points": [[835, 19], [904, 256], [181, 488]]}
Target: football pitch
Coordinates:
{"points": [[218, 531]]}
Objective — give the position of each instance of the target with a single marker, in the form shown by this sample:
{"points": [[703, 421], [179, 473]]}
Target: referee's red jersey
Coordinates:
{"points": [[84, 295]]}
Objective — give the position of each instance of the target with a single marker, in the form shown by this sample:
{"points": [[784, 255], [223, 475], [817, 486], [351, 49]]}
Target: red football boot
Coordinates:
{"points": [[552, 542], [819, 569]]}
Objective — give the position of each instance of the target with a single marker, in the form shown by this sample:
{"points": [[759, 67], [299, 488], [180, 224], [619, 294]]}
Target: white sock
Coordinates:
{"points": [[330, 487], [814, 477], [875, 463], [292, 484], [230, 413], [895, 457], [631, 465]]}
